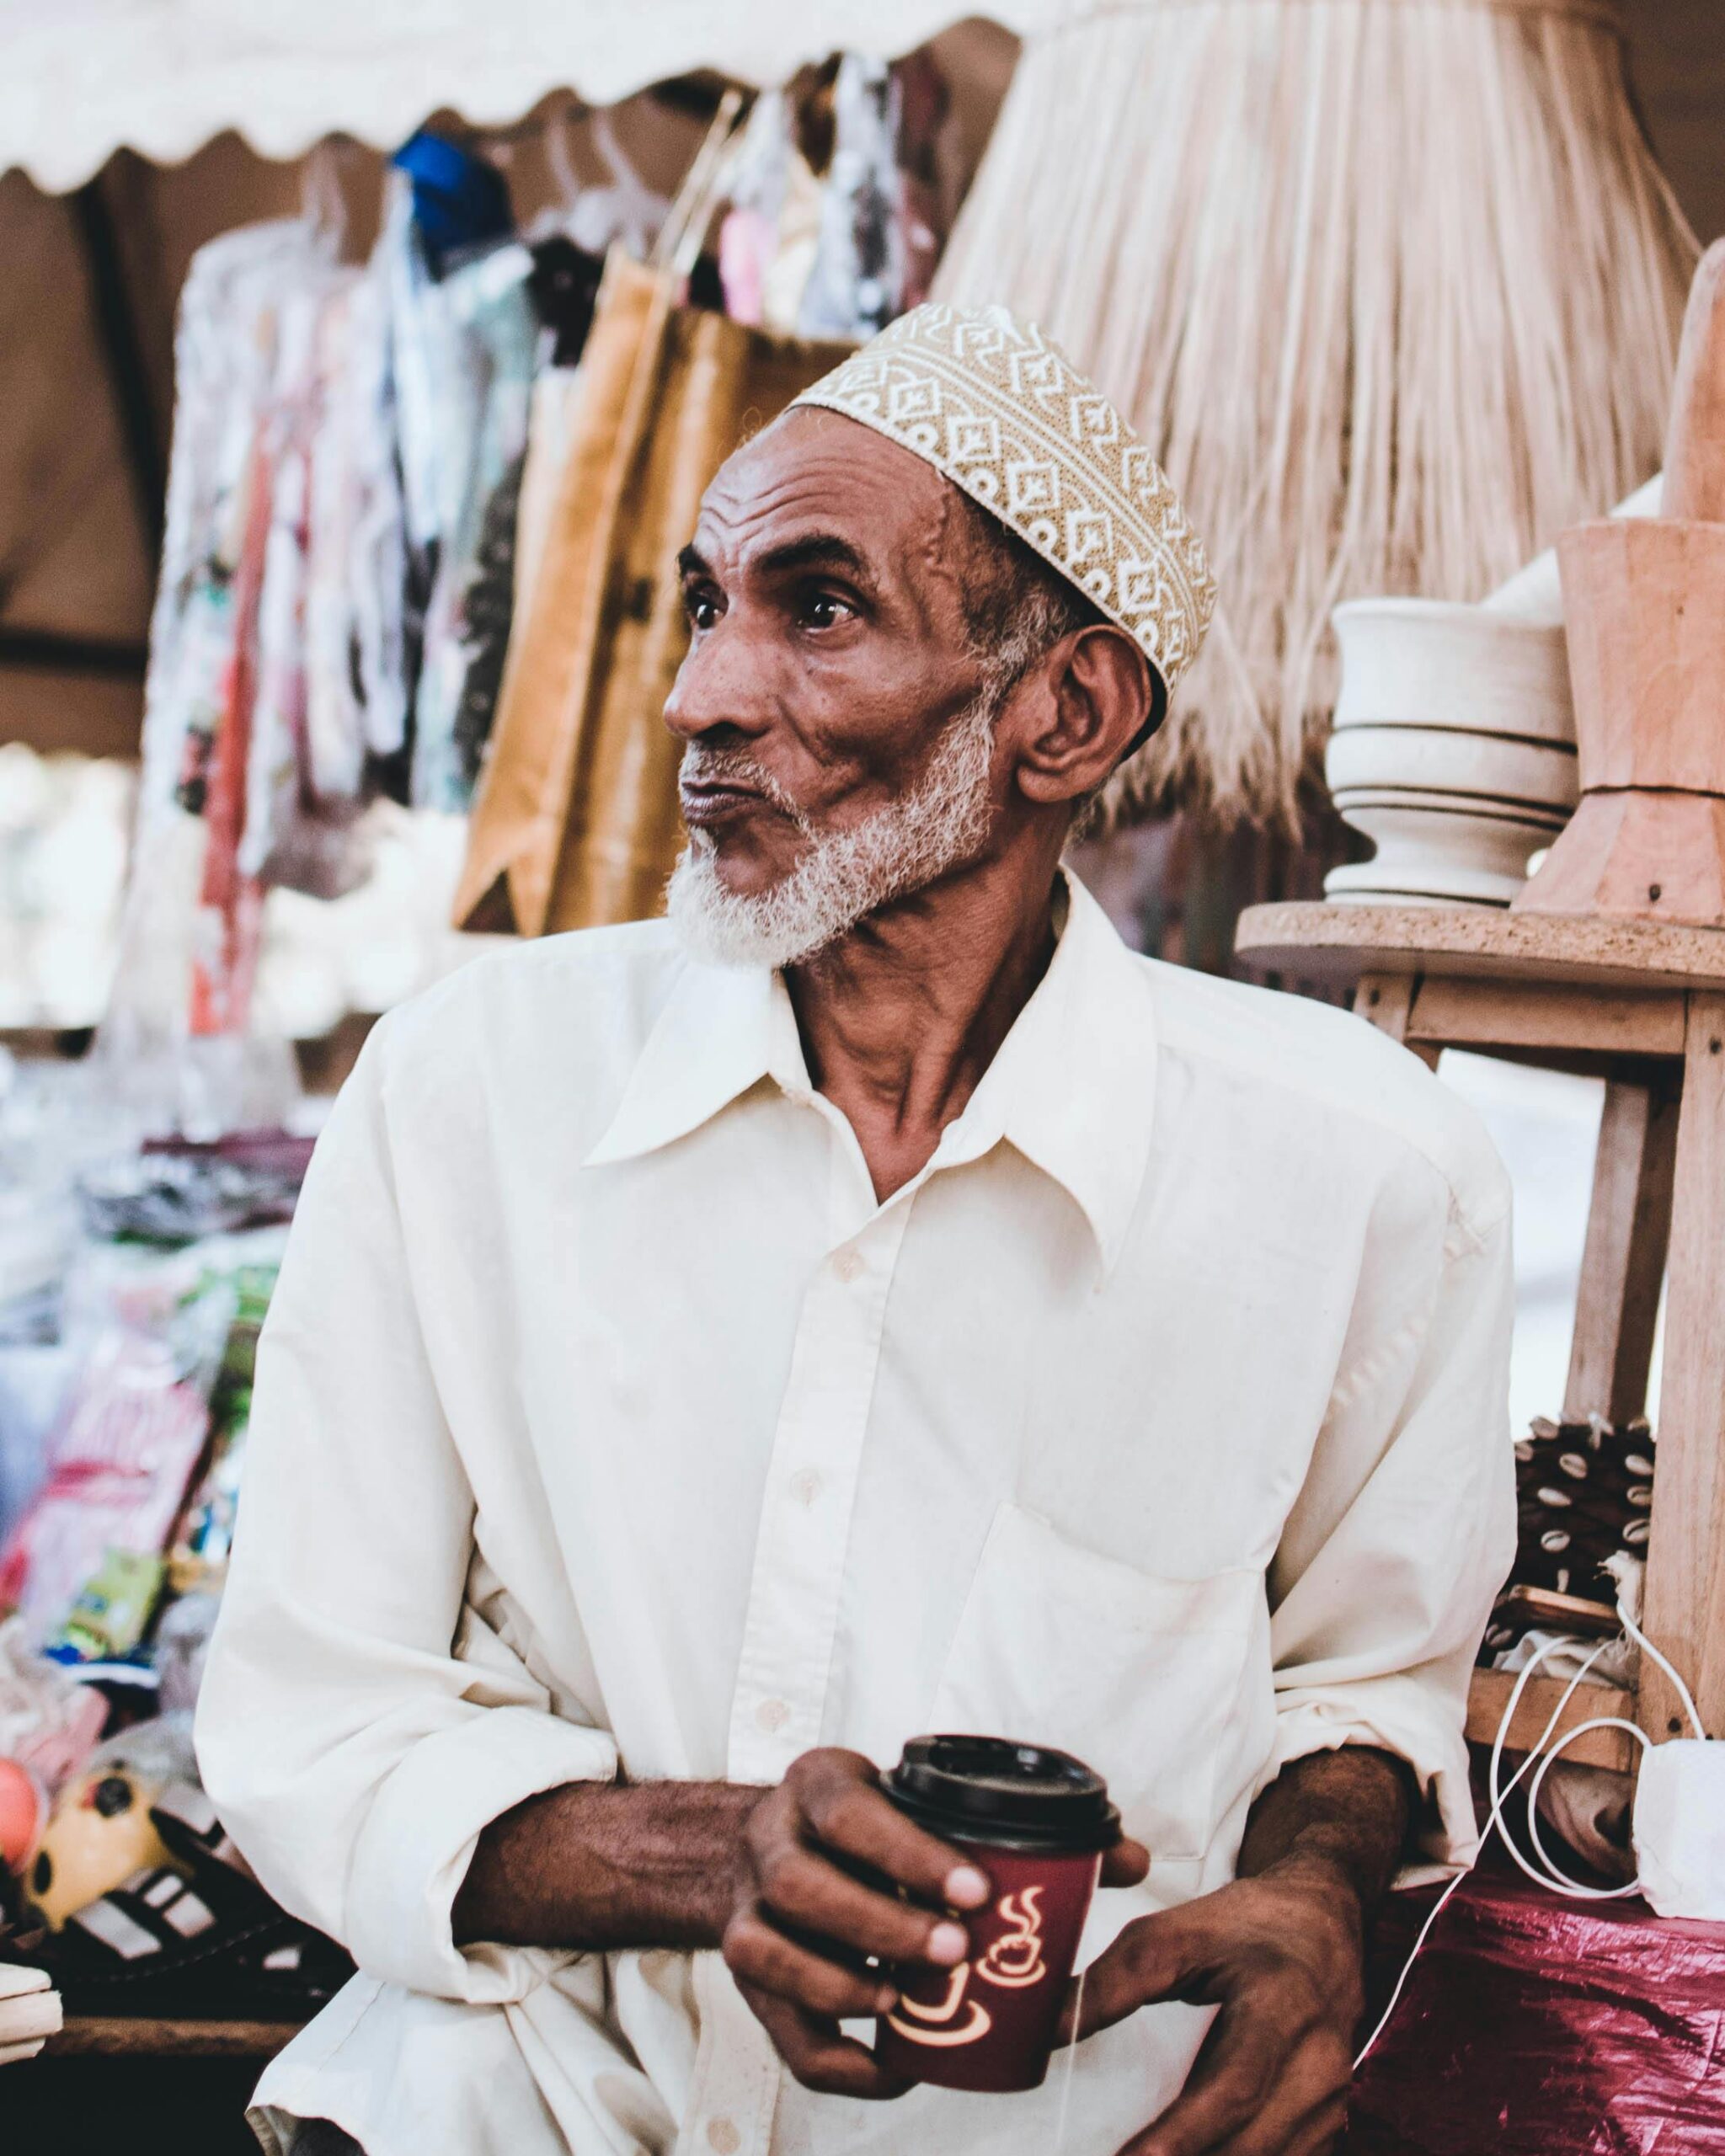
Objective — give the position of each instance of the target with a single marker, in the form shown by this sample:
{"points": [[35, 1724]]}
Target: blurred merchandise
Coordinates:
{"points": [[63, 822], [144, 1470], [182, 1640], [108, 1621], [177, 1190], [835, 245], [341, 433], [24, 1813], [459, 202], [877, 239], [48, 1725], [120, 1462], [152, 1753], [484, 330], [203, 1535], [100, 1833], [188, 1933]]}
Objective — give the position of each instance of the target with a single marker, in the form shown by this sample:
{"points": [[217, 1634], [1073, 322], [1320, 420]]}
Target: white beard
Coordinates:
{"points": [[842, 876]]}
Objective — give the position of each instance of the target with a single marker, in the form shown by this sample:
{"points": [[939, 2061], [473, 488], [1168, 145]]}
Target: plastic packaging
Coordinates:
{"points": [[1534, 2026]]}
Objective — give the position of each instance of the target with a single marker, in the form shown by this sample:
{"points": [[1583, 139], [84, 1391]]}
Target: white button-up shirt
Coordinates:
{"points": [[605, 1421]]}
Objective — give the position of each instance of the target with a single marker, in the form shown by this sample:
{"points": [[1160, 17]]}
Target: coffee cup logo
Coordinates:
{"points": [[944, 2026], [1013, 1963], [1015, 1959]]}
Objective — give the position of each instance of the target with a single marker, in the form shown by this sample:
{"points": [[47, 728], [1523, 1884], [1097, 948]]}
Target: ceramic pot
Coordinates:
{"points": [[1453, 750]]}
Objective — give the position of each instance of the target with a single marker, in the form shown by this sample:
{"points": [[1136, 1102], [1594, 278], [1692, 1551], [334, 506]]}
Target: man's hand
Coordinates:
{"points": [[805, 1923], [1281, 1953], [1281, 1956]]}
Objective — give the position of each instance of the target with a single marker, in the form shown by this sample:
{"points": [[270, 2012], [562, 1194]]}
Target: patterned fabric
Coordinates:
{"points": [[1004, 415]]}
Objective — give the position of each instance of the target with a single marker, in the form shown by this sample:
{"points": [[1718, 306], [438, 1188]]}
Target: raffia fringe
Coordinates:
{"points": [[1393, 286]]}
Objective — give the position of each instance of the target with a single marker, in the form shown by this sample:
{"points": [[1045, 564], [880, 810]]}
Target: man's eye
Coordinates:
{"points": [[702, 608], [824, 609]]}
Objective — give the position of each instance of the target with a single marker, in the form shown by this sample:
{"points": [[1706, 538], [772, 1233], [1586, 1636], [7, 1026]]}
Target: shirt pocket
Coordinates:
{"points": [[1138, 1675]]}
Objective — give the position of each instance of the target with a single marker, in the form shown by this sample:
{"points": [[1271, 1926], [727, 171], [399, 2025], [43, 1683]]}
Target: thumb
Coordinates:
{"points": [[1154, 1958], [1125, 1863]]}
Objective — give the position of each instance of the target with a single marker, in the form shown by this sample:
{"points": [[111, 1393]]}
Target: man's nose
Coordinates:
{"points": [[720, 685]]}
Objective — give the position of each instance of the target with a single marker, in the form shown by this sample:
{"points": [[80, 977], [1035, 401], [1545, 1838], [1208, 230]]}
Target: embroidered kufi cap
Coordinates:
{"points": [[989, 401]]}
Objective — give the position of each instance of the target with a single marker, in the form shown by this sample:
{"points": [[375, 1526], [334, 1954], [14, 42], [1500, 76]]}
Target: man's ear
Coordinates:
{"points": [[1099, 700]]}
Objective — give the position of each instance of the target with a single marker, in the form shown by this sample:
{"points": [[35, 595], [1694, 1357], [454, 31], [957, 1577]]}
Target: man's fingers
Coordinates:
{"points": [[852, 1815], [1277, 2131], [817, 2054], [758, 1954], [804, 1889], [1154, 1958], [1319, 2135], [1125, 1863], [1253, 2092]]}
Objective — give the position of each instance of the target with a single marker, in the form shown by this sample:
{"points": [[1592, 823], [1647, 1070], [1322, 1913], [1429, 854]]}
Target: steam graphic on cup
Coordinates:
{"points": [[1013, 1962], [1016, 1959]]}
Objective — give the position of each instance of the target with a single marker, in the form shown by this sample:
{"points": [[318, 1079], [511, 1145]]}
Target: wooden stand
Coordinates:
{"points": [[1641, 1005], [141, 2036]]}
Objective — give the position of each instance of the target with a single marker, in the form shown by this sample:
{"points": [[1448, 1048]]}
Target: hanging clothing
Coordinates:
{"points": [[483, 317], [189, 932]]}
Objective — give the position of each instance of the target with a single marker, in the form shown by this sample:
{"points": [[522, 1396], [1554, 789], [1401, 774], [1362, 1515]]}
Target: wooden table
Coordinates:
{"points": [[117, 2035], [1641, 1005]]}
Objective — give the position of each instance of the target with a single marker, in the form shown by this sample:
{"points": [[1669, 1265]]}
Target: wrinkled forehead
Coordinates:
{"points": [[817, 471]]}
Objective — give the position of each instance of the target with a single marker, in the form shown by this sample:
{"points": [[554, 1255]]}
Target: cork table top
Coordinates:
{"points": [[1322, 941]]}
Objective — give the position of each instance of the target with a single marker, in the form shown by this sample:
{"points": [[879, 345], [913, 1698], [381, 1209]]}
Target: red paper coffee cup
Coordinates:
{"points": [[1036, 1822]]}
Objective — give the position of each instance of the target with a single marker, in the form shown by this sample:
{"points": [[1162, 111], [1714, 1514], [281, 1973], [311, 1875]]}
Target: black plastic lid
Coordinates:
{"points": [[988, 1789]]}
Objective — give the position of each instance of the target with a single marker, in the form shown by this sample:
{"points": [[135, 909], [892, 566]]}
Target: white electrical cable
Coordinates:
{"points": [[1552, 1877], [1494, 1818]]}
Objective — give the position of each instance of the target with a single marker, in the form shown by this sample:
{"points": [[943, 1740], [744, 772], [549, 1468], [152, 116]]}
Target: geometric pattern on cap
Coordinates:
{"points": [[990, 403]]}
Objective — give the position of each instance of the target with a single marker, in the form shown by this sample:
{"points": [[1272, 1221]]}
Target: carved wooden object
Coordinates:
{"points": [[1645, 603]]}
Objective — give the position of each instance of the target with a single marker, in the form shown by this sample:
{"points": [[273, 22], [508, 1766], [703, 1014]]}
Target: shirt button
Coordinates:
{"points": [[772, 1714], [805, 1485], [724, 2136], [847, 1265]]}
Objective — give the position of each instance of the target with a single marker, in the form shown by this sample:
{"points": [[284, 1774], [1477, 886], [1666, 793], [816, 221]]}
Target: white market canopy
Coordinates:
{"points": [[83, 78]]}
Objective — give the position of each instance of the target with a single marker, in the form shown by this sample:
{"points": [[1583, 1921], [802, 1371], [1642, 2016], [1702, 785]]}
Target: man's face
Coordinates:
{"points": [[829, 654]]}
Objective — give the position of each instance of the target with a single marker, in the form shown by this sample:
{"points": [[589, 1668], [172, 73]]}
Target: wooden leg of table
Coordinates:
{"points": [[1385, 1000], [1624, 1260], [1684, 1610]]}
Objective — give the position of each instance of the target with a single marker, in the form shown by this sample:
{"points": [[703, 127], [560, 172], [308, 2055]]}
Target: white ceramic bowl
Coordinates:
{"points": [[1453, 750], [1438, 855], [1517, 776], [1428, 662]]}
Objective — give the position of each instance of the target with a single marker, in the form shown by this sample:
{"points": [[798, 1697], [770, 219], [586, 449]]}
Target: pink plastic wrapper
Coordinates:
{"points": [[1531, 2025], [118, 1469]]}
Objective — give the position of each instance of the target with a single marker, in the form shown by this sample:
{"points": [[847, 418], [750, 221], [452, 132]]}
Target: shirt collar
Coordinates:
{"points": [[1073, 1084], [1070, 1087], [722, 1029]]}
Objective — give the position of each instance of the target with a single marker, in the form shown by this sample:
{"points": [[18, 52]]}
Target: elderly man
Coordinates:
{"points": [[871, 1301]]}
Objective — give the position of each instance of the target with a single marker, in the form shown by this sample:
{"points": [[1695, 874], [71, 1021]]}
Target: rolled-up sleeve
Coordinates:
{"points": [[354, 1752], [1405, 1528]]}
